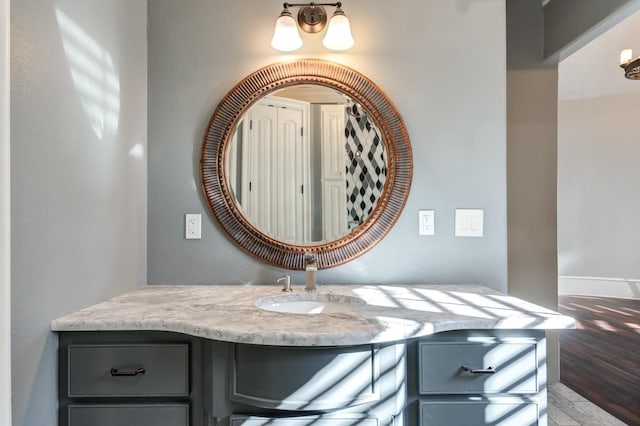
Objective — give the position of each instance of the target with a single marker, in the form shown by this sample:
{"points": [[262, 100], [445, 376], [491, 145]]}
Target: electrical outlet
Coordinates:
{"points": [[426, 222], [193, 226]]}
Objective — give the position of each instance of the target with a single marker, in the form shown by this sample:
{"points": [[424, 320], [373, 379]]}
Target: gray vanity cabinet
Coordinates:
{"points": [[478, 378], [129, 379], [458, 378], [254, 385]]}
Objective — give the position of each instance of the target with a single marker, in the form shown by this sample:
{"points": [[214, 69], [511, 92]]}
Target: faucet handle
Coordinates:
{"points": [[287, 282], [310, 261]]}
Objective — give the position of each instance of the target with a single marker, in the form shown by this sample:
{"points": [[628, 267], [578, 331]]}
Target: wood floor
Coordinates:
{"points": [[600, 360]]}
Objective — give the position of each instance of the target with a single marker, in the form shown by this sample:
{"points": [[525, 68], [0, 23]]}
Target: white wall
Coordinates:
{"points": [[78, 160], [441, 62], [5, 227], [598, 173]]}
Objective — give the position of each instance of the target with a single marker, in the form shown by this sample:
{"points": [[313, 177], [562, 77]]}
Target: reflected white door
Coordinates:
{"points": [[334, 184], [293, 221], [261, 181], [277, 177]]}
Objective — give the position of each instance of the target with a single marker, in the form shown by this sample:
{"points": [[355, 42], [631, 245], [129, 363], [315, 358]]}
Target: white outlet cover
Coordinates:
{"points": [[469, 223], [426, 222], [193, 226]]}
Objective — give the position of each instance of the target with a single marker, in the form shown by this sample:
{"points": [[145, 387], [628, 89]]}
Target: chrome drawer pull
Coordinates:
{"points": [[488, 370], [116, 373]]}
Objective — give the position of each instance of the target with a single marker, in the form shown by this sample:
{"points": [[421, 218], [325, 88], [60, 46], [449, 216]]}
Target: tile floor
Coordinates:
{"points": [[567, 408]]}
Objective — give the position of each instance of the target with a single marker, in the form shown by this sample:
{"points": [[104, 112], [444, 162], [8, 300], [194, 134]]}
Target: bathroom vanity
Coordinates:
{"points": [[369, 355], [207, 355]]}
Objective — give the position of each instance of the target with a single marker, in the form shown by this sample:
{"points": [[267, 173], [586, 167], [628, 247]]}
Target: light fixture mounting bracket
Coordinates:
{"points": [[632, 69], [312, 17]]}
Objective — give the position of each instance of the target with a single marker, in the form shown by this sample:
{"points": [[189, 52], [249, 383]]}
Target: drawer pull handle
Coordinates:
{"points": [[116, 373], [488, 370]]}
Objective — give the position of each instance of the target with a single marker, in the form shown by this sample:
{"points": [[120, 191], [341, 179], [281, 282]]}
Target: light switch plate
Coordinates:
{"points": [[193, 226], [426, 222], [469, 223]]}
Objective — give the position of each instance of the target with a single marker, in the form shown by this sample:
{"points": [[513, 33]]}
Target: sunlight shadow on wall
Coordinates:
{"points": [[137, 151], [94, 76]]}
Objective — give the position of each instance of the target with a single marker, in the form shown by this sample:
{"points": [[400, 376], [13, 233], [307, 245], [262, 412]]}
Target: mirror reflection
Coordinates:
{"points": [[306, 165]]}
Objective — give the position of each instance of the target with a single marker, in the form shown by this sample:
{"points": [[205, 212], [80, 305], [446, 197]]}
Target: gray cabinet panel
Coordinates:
{"points": [[441, 367], [344, 420], [486, 413], [304, 379], [129, 415], [166, 370]]}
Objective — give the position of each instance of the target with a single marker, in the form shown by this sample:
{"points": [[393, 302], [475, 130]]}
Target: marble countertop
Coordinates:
{"points": [[392, 313]]}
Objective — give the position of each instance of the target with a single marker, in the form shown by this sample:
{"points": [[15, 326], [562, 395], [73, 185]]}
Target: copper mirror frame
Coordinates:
{"points": [[277, 76]]}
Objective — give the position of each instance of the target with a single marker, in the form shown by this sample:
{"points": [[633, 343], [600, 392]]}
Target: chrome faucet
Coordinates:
{"points": [[311, 267]]}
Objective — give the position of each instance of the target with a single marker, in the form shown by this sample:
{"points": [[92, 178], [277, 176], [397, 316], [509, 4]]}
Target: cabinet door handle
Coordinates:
{"points": [[488, 370], [116, 373]]}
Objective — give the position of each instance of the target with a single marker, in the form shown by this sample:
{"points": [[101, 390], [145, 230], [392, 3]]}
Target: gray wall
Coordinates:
{"points": [[5, 229], [598, 151], [78, 103], [441, 62]]}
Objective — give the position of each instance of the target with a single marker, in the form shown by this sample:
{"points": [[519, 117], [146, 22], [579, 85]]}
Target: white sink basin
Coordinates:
{"points": [[310, 303]]}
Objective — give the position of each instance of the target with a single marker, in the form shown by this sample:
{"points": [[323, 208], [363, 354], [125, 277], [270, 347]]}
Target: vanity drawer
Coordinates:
{"points": [[140, 370], [304, 379], [129, 415], [471, 413], [478, 367], [331, 420]]}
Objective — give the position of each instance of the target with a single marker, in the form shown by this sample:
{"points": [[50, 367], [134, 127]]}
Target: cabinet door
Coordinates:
{"points": [[336, 420], [129, 415], [304, 379], [471, 413]]}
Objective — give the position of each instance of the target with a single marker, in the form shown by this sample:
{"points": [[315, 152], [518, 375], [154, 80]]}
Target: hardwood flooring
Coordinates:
{"points": [[600, 360]]}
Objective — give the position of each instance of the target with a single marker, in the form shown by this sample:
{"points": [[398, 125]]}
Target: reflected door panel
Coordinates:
{"points": [[334, 189], [275, 167], [261, 180], [293, 177]]}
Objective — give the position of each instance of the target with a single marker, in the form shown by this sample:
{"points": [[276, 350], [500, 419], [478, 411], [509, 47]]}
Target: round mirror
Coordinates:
{"points": [[306, 165], [305, 157]]}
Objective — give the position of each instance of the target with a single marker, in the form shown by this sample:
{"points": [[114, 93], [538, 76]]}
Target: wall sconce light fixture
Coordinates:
{"points": [[631, 66], [312, 18]]}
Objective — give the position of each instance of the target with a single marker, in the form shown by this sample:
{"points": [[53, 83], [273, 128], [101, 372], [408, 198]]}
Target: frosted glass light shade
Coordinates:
{"points": [[286, 37], [625, 56], [338, 35]]}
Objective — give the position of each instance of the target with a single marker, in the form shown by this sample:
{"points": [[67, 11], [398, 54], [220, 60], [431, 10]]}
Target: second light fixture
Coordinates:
{"points": [[312, 18]]}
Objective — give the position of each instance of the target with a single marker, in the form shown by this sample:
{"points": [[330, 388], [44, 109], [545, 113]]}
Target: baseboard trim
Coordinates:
{"points": [[623, 288]]}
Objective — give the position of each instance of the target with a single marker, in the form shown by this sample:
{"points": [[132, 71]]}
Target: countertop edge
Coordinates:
{"points": [[162, 308]]}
